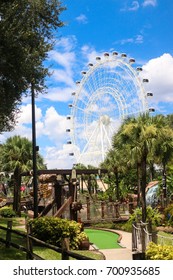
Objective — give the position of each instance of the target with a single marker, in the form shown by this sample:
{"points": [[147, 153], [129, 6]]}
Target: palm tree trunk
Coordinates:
{"points": [[139, 186], [17, 193], [117, 185], [151, 171], [143, 188], [164, 187]]}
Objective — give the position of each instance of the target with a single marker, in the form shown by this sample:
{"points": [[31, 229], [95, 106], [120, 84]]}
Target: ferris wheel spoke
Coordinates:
{"points": [[88, 141]]}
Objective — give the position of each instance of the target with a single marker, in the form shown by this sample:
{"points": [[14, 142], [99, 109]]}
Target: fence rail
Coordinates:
{"points": [[31, 240], [141, 236], [97, 211]]}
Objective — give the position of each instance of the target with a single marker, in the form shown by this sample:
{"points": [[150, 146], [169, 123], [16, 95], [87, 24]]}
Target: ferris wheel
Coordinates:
{"points": [[109, 91]]}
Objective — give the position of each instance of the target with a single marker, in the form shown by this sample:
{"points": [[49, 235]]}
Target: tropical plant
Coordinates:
{"points": [[7, 212], [139, 138], [168, 211], [52, 230], [16, 157], [159, 252], [152, 215]]}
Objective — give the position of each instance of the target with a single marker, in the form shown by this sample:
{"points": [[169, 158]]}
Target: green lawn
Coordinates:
{"points": [[165, 238], [103, 239]]}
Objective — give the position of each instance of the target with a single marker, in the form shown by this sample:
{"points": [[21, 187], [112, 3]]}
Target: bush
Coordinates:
{"points": [[159, 252], [7, 212], [52, 230], [152, 216], [169, 214]]}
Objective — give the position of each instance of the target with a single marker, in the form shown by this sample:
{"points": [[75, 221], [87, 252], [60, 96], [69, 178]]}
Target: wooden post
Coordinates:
{"points": [[29, 244], [73, 213], [117, 214], [58, 192], [131, 207], [88, 208], [134, 242], [65, 248], [143, 243], [102, 209], [8, 235], [82, 183]]}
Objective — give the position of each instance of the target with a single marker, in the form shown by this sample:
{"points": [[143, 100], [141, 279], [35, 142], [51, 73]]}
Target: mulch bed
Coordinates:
{"points": [[167, 229]]}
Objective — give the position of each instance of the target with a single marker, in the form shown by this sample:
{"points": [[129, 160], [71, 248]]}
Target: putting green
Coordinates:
{"points": [[103, 239]]}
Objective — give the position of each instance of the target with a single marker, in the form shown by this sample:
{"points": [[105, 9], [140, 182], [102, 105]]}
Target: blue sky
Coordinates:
{"points": [[141, 29]]}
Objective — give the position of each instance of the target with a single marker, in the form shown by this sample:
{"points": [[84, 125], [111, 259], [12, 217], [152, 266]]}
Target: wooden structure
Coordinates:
{"points": [[64, 184]]}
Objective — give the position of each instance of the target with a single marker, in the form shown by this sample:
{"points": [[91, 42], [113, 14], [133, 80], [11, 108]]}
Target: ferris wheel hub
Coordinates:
{"points": [[105, 120]]}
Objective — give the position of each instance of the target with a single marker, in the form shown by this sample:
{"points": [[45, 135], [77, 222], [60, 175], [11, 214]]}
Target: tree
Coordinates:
{"points": [[26, 35], [140, 136], [16, 157], [164, 151], [113, 162]]}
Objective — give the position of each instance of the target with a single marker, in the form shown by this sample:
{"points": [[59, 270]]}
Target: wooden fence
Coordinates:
{"points": [[99, 211], [31, 241]]}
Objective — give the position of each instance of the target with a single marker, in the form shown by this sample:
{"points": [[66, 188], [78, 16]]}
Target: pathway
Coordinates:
{"points": [[124, 253]]}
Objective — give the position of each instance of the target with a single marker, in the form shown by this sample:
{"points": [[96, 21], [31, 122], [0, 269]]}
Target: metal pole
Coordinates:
{"points": [[34, 154]]}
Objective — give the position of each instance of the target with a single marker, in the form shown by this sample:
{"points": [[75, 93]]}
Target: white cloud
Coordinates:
{"points": [[59, 158], [63, 76], [134, 7], [90, 53], [25, 114], [149, 3], [127, 41], [64, 59], [138, 39], [82, 19], [67, 44], [55, 125], [62, 94], [159, 71]]}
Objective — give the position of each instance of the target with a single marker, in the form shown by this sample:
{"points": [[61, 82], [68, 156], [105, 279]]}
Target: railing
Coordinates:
{"points": [[99, 211], [140, 237], [30, 241]]}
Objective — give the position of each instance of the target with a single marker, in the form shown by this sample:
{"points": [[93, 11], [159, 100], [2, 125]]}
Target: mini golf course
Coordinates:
{"points": [[103, 239]]}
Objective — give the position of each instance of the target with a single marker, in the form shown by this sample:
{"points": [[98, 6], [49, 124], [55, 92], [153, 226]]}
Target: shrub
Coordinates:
{"points": [[169, 214], [7, 212], [152, 216], [52, 230], [159, 252]]}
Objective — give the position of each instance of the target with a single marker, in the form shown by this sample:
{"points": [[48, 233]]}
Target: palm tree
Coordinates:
{"points": [[164, 150], [140, 136], [16, 157]]}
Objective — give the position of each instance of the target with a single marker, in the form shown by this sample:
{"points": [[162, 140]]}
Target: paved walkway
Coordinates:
{"points": [[124, 253]]}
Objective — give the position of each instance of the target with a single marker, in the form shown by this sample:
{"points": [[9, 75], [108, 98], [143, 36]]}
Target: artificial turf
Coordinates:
{"points": [[103, 239]]}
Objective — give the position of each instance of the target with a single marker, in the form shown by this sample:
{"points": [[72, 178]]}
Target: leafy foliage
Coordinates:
{"points": [[26, 35], [169, 214], [139, 144], [7, 212], [159, 252], [16, 157], [52, 230], [152, 215]]}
